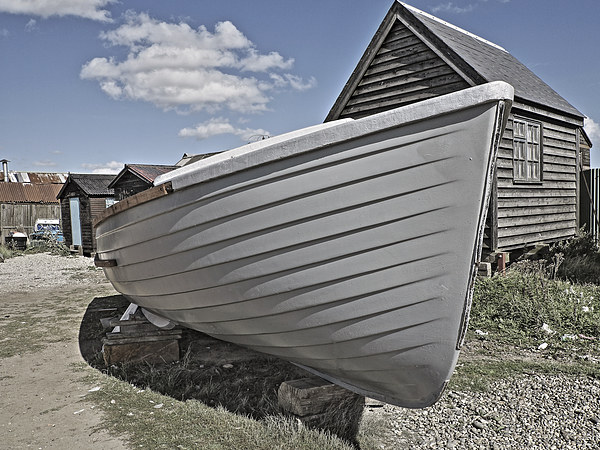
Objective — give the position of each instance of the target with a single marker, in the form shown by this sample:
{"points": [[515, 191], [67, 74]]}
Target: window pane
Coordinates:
{"points": [[533, 134], [519, 129], [527, 151]]}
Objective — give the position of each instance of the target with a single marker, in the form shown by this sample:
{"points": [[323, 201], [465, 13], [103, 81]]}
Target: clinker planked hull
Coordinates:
{"points": [[349, 248]]}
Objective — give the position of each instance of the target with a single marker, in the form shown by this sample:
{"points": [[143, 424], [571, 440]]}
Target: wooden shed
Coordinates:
{"points": [[415, 56], [26, 197], [136, 178], [82, 198]]}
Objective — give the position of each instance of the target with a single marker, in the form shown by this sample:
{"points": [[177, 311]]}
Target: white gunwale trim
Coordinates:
{"points": [[329, 133]]}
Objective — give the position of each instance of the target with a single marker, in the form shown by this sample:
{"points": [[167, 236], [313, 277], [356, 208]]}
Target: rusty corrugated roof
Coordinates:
{"points": [[35, 177], [29, 193]]}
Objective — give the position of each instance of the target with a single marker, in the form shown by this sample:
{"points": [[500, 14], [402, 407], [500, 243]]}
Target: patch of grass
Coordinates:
{"points": [[5, 252], [48, 245], [525, 306], [29, 328], [248, 387], [528, 321], [151, 420], [477, 375], [26, 333], [576, 259]]}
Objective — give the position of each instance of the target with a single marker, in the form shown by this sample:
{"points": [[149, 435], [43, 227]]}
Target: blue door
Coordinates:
{"points": [[75, 221]]}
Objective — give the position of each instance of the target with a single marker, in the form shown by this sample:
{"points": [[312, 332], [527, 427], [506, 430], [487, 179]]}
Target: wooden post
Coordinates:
{"points": [[503, 259]]}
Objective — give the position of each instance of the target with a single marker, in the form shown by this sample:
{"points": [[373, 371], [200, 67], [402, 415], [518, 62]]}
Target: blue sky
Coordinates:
{"points": [[88, 85]]}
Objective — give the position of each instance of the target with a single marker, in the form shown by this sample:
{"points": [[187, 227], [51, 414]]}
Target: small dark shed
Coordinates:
{"points": [[82, 198], [136, 178], [415, 56]]}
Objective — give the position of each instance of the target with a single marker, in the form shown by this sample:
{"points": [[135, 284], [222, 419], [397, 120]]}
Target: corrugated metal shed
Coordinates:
{"points": [[29, 193]]}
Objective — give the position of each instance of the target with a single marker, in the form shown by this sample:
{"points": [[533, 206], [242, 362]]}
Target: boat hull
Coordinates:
{"points": [[349, 250]]}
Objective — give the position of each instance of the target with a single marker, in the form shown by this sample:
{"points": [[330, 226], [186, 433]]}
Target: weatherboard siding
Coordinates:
{"points": [[413, 57], [404, 70], [529, 213], [22, 216], [128, 185]]}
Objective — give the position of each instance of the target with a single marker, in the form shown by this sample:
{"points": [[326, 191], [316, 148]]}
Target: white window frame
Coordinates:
{"points": [[527, 151]]}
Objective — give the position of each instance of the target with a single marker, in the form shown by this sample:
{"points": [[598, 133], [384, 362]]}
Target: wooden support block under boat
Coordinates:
{"points": [[140, 340], [308, 396]]}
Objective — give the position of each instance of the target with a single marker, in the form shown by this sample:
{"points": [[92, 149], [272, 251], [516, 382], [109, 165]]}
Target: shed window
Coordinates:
{"points": [[527, 151]]}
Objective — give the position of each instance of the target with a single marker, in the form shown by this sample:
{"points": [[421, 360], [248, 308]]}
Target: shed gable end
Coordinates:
{"points": [[404, 70]]}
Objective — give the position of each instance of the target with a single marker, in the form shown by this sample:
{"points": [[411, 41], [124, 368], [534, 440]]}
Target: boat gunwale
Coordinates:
{"points": [[134, 200]]}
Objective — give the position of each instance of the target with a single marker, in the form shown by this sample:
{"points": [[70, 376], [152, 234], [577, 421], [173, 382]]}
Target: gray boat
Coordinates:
{"points": [[349, 248]]}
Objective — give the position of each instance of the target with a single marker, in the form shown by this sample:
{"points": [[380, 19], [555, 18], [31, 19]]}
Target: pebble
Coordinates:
{"points": [[534, 412]]}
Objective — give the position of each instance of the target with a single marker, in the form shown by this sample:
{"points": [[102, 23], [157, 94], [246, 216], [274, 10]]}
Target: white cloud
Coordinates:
{"points": [[107, 168], [295, 82], [220, 125], [451, 7], [45, 163], [592, 129], [31, 25], [175, 66], [88, 9]]}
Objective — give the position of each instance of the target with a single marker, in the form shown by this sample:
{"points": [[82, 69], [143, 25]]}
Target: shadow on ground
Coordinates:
{"points": [[211, 371]]}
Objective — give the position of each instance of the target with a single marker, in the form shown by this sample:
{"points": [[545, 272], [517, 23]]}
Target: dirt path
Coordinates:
{"points": [[42, 386], [43, 403]]}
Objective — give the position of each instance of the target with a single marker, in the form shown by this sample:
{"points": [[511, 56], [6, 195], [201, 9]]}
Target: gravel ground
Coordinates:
{"points": [[529, 412], [43, 271]]}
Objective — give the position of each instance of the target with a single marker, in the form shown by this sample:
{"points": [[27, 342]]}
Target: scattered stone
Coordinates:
{"points": [[227, 366], [531, 412], [479, 425]]}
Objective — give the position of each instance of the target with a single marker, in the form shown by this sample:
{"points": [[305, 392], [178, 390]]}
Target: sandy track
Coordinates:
{"points": [[42, 393]]}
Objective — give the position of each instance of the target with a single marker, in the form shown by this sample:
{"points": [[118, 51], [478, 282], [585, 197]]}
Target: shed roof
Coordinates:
{"points": [[146, 172], [476, 59], [34, 177], [28, 193], [93, 185], [190, 159]]}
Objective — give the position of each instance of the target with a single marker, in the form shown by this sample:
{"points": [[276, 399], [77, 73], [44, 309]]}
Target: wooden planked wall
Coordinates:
{"points": [[22, 216], [403, 71], [129, 185], [529, 213], [97, 206], [89, 209]]}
